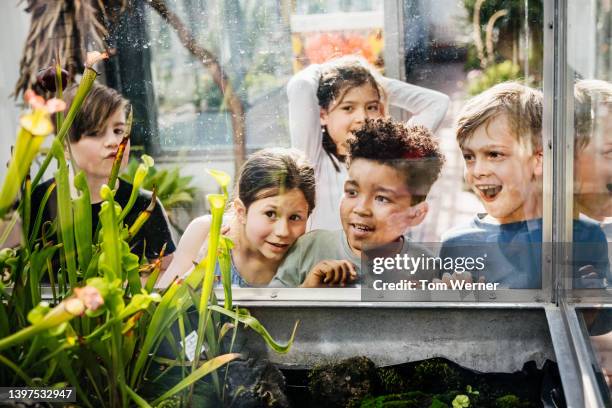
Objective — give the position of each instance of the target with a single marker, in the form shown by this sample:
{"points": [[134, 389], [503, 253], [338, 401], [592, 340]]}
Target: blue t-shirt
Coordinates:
{"points": [[513, 252]]}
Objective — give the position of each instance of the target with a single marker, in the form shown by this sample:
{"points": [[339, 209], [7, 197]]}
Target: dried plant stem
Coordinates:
{"points": [[476, 32], [489, 34]]}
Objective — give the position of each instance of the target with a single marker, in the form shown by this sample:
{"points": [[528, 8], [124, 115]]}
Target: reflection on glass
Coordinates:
{"points": [[593, 171], [451, 50], [589, 54]]}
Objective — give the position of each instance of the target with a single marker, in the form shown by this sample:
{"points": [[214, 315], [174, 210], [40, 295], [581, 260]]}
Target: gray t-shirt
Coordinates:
{"points": [[321, 245]]}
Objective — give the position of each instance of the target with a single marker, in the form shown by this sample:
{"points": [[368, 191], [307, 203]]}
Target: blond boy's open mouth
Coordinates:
{"points": [[489, 191]]}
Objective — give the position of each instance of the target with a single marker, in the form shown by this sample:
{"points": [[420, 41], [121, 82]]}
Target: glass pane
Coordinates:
{"points": [[487, 204], [591, 66], [230, 78], [588, 278]]}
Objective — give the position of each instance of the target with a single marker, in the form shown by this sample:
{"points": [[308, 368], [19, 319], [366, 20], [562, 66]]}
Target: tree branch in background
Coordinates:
{"points": [[230, 98]]}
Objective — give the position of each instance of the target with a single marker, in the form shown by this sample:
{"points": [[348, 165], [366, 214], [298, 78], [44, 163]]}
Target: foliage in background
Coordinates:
{"points": [[173, 190], [481, 81], [516, 10], [496, 59]]}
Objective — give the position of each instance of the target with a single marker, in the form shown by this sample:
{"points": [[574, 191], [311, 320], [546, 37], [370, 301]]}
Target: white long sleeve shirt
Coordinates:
{"points": [[427, 107]]}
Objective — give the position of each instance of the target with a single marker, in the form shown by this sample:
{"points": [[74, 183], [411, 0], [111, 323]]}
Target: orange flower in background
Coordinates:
{"points": [[320, 47]]}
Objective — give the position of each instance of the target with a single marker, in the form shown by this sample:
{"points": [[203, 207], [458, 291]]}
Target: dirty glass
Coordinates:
{"points": [[220, 73], [590, 76]]}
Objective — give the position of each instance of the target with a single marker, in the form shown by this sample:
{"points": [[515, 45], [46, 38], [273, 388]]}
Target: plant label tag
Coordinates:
{"points": [[190, 345]]}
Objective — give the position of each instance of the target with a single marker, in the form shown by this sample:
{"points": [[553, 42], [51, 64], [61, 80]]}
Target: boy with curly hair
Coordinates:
{"points": [[391, 169]]}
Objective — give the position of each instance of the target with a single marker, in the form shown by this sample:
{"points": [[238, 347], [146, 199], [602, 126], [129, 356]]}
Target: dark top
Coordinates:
{"points": [[149, 240]]}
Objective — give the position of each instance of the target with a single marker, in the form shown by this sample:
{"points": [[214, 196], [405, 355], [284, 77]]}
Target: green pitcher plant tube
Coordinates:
{"points": [[34, 128], [65, 214], [82, 221], [110, 260], [121, 151], [222, 178], [139, 177], [217, 206]]}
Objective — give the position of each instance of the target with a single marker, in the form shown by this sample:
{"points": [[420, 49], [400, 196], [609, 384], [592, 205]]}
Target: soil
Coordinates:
{"points": [[432, 383]]}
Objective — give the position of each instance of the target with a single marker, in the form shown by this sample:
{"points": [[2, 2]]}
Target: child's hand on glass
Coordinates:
{"points": [[330, 273]]}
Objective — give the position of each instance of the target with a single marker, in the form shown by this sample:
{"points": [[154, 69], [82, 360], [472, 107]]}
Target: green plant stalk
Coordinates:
{"points": [[135, 397], [182, 355], [203, 370], [64, 212], [39, 213], [217, 204], [118, 368], [110, 233], [175, 300], [225, 265], [59, 116], [54, 318], [16, 369], [112, 180], [27, 205], [134, 196], [50, 271], [140, 220], [82, 221], [89, 76], [159, 321]]}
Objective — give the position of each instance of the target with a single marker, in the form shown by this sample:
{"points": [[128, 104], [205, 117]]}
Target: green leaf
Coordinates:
{"points": [[244, 317], [64, 212], [82, 220], [205, 369], [136, 398]]}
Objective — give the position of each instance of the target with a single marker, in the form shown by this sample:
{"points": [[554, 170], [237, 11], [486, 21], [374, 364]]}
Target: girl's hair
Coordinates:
{"points": [[270, 172], [339, 77], [99, 105]]}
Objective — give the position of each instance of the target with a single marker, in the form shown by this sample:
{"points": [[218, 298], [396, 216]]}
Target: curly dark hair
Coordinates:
{"points": [[411, 150]]}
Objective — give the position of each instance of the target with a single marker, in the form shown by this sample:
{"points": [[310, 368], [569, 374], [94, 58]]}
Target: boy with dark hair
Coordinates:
{"points": [[500, 134], [391, 169], [94, 138]]}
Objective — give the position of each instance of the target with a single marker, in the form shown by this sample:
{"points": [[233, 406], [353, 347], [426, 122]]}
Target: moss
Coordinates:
{"points": [[512, 401], [391, 381], [433, 371], [413, 399]]}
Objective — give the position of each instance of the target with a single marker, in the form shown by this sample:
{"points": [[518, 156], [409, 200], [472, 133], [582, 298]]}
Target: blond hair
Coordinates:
{"points": [[589, 97], [521, 105]]}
